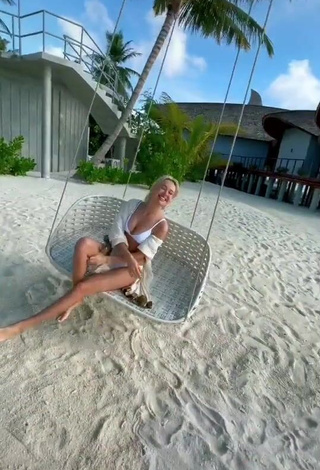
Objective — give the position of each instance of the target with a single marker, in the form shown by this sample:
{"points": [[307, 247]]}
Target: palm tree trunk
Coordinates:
{"points": [[164, 33]]}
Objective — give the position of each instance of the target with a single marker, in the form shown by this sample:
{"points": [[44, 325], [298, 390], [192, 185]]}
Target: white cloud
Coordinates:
{"points": [[178, 62], [298, 88], [198, 62], [97, 13], [95, 16], [53, 50], [74, 33]]}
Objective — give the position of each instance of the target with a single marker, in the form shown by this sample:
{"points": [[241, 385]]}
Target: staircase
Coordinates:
{"points": [[74, 58]]}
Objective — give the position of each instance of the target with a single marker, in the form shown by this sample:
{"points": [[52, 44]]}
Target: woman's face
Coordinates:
{"points": [[164, 193]]}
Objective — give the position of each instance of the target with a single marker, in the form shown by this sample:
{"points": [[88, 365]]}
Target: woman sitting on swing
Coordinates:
{"points": [[136, 234]]}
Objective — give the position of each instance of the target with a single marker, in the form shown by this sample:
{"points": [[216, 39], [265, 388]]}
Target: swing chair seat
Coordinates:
{"points": [[182, 261]]}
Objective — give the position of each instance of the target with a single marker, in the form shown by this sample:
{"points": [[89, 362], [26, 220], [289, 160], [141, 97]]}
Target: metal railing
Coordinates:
{"points": [[246, 162], [82, 49], [291, 164]]}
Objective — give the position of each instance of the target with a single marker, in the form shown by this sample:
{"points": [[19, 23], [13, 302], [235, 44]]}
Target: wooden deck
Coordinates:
{"points": [[292, 189]]}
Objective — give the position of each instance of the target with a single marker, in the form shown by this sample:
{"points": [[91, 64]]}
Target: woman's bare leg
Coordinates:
{"points": [[112, 280], [84, 249], [65, 315], [113, 259]]}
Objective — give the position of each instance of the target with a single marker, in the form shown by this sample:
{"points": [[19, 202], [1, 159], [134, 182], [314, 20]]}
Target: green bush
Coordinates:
{"points": [[282, 170], [92, 174], [157, 157], [196, 170], [97, 137], [302, 172], [11, 162]]}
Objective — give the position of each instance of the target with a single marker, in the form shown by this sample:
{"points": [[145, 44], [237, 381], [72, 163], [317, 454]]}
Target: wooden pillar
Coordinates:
{"points": [[258, 187], [46, 122], [282, 190], [251, 179], [269, 187], [298, 194], [243, 183], [292, 192], [315, 200]]}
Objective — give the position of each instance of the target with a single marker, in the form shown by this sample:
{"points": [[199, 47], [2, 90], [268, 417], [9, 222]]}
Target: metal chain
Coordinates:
{"points": [[150, 106], [231, 150], [218, 128], [87, 118]]}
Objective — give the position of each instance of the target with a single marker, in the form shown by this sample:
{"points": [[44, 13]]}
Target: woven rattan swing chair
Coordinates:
{"points": [[176, 266], [181, 265]]}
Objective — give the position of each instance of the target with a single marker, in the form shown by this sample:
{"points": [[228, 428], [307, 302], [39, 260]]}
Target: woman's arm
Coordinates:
{"points": [[161, 230], [150, 246], [116, 232], [121, 254]]}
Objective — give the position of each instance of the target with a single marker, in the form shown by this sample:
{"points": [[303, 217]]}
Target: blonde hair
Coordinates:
{"points": [[160, 181]]}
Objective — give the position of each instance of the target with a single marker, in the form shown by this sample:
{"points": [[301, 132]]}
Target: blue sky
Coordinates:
{"points": [[197, 69]]}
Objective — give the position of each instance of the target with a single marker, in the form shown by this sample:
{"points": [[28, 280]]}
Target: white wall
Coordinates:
{"points": [[21, 114], [294, 145], [246, 151]]}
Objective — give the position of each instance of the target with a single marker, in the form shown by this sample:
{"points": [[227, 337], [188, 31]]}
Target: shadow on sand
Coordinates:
{"points": [[26, 288]]}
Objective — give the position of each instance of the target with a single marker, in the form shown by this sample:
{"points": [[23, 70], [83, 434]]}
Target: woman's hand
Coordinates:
{"points": [[134, 268], [98, 259]]}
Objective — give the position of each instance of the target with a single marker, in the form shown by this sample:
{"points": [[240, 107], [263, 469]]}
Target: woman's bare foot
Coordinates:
{"points": [[66, 314], [8, 333]]}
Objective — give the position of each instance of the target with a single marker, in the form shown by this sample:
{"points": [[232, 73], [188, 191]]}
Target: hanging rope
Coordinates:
{"points": [[218, 128], [150, 106], [87, 117], [232, 147]]}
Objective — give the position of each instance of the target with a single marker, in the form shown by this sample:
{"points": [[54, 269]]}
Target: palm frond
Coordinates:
{"points": [[130, 54], [132, 72], [225, 21], [5, 27], [165, 98], [114, 70], [160, 6]]}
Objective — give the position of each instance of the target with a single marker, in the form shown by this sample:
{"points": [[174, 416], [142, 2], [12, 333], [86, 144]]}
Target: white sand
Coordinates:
{"points": [[237, 387]]}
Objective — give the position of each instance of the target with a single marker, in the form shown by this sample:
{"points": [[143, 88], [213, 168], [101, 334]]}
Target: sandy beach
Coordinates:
{"points": [[234, 388]]}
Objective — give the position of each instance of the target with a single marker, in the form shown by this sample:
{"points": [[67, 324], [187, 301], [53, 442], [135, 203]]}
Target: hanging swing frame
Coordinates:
{"points": [[194, 257], [177, 260]]}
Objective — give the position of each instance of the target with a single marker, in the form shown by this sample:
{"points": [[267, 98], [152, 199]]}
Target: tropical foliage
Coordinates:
{"points": [[11, 162], [175, 144], [172, 144], [96, 136], [3, 42], [115, 71], [222, 20]]}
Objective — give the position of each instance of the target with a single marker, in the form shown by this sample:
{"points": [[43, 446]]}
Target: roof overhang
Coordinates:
{"points": [[275, 126], [318, 116]]}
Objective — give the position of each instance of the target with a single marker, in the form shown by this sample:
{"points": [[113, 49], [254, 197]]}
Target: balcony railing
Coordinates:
{"points": [[291, 164], [81, 49]]}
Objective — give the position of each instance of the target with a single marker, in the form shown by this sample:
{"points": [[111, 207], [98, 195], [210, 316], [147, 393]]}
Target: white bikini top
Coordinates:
{"points": [[140, 237]]}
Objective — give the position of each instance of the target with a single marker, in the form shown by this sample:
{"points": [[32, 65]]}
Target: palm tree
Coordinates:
{"points": [[175, 144], [4, 42], [119, 75], [223, 20], [192, 136]]}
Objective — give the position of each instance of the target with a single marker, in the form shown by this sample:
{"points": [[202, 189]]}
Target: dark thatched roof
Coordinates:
{"points": [[276, 123], [318, 116], [251, 121]]}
